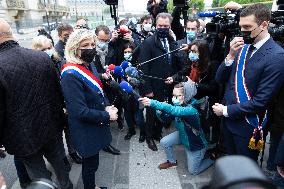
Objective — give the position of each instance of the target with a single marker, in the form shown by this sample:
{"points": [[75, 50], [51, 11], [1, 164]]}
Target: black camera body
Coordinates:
{"points": [[227, 23], [111, 2], [277, 31]]}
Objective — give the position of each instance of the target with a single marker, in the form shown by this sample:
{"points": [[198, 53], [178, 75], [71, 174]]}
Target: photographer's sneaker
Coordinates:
{"points": [[167, 165]]}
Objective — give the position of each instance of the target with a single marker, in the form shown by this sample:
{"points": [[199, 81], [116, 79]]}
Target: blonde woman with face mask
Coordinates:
{"points": [[89, 115]]}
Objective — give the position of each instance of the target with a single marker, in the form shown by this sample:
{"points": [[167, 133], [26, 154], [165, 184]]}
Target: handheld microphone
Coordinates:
{"points": [[208, 14], [125, 64], [111, 67], [132, 72], [118, 71], [125, 86]]}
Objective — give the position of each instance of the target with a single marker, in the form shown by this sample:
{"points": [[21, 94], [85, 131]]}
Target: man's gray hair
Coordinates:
{"points": [[164, 15]]}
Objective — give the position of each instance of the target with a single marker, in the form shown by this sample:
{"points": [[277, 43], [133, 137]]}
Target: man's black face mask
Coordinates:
{"points": [[247, 36]]}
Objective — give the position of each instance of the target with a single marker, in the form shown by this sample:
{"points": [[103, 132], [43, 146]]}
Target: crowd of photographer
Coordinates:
{"points": [[220, 85]]}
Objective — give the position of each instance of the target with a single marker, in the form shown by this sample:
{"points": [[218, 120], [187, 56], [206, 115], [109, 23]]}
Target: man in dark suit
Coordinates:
{"points": [[261, 76], [159, 43]]}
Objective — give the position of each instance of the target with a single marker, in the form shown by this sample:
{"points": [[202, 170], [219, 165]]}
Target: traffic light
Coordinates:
{"points": [[111, 2]]}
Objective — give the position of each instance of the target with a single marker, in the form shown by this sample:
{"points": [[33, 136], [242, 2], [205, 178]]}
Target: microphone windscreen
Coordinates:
{"points": [[125, 86], [111, 67], [132, 72], [207, 14], [125, 64], [118, 71]]}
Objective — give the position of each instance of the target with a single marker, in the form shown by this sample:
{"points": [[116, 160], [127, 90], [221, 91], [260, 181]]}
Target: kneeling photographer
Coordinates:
{"points": [[201, 71]]}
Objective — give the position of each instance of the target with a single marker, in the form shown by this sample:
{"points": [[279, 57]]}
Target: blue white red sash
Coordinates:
{"points": [[84, 74], [242, 92]]}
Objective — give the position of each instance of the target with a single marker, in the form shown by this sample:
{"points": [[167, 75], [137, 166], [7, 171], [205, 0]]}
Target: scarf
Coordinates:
{"points": [[194, 72]]}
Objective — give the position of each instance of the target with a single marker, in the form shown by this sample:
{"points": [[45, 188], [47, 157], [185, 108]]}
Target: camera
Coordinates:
{"points": [[277, 31], [227, 23], [111, 2], [42, 184]]}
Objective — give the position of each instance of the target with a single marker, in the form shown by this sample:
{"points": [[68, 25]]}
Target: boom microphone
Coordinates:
{"points": [[147, 61], [118, 71], [208, 14]]}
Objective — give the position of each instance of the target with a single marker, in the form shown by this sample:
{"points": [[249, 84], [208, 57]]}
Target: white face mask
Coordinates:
{"points": [[50, 52], [147, 27]]}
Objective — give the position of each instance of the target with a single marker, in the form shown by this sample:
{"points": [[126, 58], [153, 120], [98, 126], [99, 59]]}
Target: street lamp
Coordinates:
{"points": [[76, 10], [46, 14]]}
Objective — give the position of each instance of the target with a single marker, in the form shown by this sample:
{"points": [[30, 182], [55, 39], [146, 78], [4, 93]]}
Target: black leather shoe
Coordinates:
{"points": [[112, 150], [157, 138], [152, 145], [141, 138], [129, 135], [76, 158]]}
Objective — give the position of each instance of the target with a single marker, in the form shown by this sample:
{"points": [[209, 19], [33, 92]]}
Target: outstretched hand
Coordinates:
{"points": [[145, 101]]}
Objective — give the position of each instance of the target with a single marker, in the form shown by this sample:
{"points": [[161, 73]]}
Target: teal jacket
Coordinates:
{"points": [[187, 122]]}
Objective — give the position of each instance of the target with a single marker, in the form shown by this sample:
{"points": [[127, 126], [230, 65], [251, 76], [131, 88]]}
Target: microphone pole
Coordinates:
{"points": [[142, 63], [135, 31]]}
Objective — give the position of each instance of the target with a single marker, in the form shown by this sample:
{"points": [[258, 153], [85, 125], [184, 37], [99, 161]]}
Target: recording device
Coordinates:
{"points": [[180, 3], [227, 23], [42, 184], [126, 87], [238, 172], [125, 64], [118, 71], [111, 2], [277, 31], [122, 30]]}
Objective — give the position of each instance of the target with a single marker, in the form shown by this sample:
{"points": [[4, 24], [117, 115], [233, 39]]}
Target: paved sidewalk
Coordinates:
{"points": [[136, 167]]}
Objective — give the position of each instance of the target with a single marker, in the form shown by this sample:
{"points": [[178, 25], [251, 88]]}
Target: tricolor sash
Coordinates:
{"points": [[86, 75], [243, 95]]}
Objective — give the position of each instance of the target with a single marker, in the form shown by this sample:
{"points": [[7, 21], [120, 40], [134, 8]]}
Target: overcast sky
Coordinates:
{"points": [[135, 5]]}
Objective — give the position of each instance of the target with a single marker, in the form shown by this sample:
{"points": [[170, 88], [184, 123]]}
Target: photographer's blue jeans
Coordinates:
{"points": [[195, 162]]}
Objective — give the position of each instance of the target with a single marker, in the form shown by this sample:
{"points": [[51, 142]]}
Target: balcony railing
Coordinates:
{"points": [[52, 7], [16, 4]]}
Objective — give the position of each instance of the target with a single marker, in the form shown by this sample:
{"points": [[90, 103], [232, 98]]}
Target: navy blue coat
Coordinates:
{"points": [[264, 76], [88, 120]]}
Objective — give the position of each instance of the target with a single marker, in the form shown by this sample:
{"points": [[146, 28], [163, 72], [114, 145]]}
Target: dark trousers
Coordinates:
{"points": [[89, 167], [153, 127], [22, 172], [238, 145], [274, 141], [132, 117], [54, 152]]}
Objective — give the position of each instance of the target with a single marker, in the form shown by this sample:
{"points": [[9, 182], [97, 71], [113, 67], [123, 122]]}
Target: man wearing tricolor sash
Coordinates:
{"points": [[252, 72]]}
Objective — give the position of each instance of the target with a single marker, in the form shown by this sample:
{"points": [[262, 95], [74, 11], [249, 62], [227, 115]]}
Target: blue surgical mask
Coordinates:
{"points": [[176, 101], [193, 57], [102, 45], [128, 56], [191, 35]]}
